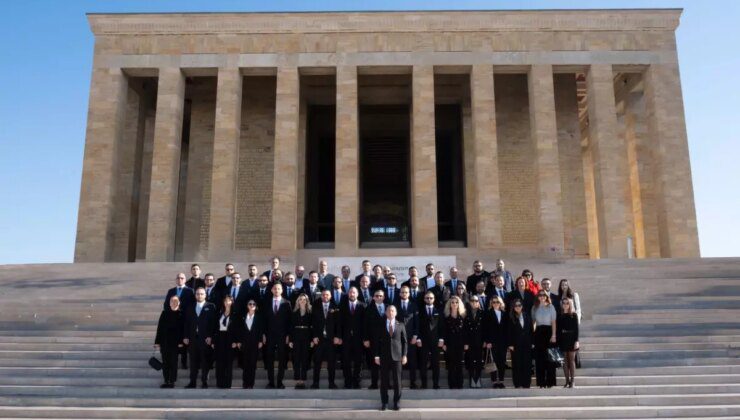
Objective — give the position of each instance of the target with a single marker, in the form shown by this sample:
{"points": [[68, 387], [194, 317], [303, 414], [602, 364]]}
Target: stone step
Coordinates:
{"points": [[645, 412], [440, 399]]}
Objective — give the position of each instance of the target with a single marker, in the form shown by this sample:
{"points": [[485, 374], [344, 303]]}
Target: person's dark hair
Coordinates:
{"points": [[252, 265], [194, 265], [429, 265], [512, 315], [569, 293], [365, 261], [229, 264], [313, 272]]}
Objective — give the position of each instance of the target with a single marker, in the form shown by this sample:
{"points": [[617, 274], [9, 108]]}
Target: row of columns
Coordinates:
{"points": [[676, 219]]}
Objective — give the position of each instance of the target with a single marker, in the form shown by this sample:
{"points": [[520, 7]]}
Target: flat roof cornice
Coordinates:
{"points": [[384, 21]]}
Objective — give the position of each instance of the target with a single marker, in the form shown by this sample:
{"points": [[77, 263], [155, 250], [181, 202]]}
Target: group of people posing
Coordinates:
{"points": [[368, 321]]}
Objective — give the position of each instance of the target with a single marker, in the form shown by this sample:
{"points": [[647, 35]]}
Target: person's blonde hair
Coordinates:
{"points": [[460, 307], [308, 303], [496, 298]]}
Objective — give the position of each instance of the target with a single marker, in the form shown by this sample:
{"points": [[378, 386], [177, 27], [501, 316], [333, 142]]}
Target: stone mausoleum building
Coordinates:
{"points": [[234, 136]]}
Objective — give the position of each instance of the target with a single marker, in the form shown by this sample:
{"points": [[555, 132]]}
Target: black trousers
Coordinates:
{"points": [[371, 366], [521, 366], [544, 370], [475, 359], [224, 356], [249, 361], [324, 351], [429, 354], [200, 359], [169, 363], [300, 355], [412, 364], [275, 351], [352, 350], [388, 370], [454, 362], [499, 359], [183, 351]]}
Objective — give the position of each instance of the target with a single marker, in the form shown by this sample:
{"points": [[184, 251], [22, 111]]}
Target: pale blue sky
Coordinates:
{"points": [[45, 77]]}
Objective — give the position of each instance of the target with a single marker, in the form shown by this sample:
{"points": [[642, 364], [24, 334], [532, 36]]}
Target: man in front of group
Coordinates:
{"points": [[408, 313], [326, 335], [277, 326], [200, 326], [374, 317], [390, 348]]}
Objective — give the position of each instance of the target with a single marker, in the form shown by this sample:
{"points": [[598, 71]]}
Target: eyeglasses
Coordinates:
{"points": [[517, 306]]}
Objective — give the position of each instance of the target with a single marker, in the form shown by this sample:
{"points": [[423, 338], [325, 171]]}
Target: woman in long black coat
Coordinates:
{"points": [[170, 330], [454, 341], [520, 345], [496, 326], [300, 339], [224, 343], [475, 356], [249, 334]]}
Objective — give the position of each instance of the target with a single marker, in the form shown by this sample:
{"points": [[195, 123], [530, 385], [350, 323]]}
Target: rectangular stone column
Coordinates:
{"points": [[674, 192], [226, 134], [485, 150], [424, 232], [160, 241], [544, 131], [611, 170], [347, 161], [105, 118], [285, 182]]}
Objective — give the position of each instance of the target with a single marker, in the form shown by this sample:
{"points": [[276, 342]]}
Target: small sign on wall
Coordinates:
{"points": [[399, 265]]}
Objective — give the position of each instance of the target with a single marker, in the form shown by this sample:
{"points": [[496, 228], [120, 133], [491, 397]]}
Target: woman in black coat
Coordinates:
{"points": [[454, 341], [224, 343], [520, 345], [300, 339], [567, 335], [496, 326], [170, 331], [249, 333], [475, 356]]}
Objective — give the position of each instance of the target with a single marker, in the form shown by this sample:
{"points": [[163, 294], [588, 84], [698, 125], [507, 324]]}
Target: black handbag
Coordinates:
{"points": [[155, 363], [555, 356]]}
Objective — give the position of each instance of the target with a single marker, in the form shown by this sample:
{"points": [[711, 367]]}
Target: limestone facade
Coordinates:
{"points": [[571, 141]]}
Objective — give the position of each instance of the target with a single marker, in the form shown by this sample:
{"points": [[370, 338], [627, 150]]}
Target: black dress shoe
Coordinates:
{"points": [[412, 386], [270, 386], [383, 407], [373, 387], [280, 386], [436, 386], [168, 385], [204, 385], [190, 385], [356, 385], [314, 386], [347, 386], [333, 386], [396, 407]]}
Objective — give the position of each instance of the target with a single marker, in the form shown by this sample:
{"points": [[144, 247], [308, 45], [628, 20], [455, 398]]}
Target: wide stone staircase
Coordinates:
{"points": [[660, 338]]}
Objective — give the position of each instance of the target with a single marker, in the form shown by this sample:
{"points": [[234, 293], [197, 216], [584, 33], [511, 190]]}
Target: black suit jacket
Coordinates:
{"points": [[277, 324], [187, 297], [409, 317], [372, 320], [293, 295], [396, 296], [431, 328], [317, 291], [390, 348], [250, 337], [361, 296], [441, 294], [494, 331], [353, 324], [203, 326], [329, 324], [527, 299], [195, 282], [221, 285]]}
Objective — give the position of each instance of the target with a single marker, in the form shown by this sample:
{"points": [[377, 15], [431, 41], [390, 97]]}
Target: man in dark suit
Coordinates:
{"points": [[346, 281], [210, 288], [352, 312], [290, 292], [337, 291], [223, 284], [495, 286], [262, 294], [431, 321], [364, 292], [366, 271], [195, 281], [186, 295], [326, 335], [187, 299], [416, 290], [391, 346], [392, 297], [235, 291], [554, 299], [408, 313], [326, 279], [374, 316], [452, 282], [274, 265], [277, 326], [428, 280], [252, 281], [478, 274], [440, 291], [501, 271], [200, 327], [312, 288]]}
